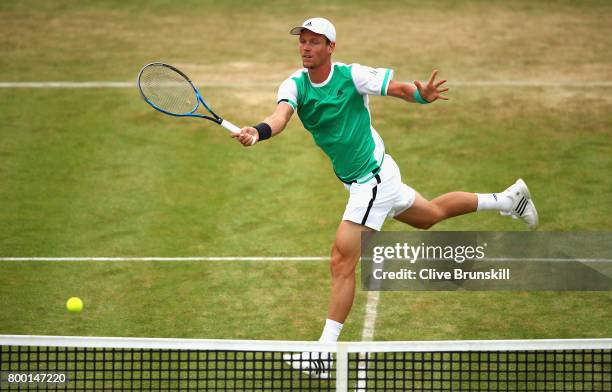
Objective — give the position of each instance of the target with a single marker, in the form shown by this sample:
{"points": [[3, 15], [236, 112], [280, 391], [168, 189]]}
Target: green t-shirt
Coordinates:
{"points": [[337, 114]]}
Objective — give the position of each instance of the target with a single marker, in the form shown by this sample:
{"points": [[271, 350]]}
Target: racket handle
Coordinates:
{"points": [[229, 126], [234, 129]]}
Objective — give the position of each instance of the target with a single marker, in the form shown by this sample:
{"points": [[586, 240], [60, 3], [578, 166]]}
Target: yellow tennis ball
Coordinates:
{"points": [[74, 305]]}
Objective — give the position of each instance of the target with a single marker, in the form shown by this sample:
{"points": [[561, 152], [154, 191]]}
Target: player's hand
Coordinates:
{"points": [[432, 90], [247, 136]]}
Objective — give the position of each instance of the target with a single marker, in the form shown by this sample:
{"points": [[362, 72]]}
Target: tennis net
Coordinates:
{"points": [[144, 364]]}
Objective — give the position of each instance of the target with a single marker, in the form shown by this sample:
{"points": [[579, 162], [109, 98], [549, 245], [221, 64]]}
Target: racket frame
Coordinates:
{"points": [[199, 100]]}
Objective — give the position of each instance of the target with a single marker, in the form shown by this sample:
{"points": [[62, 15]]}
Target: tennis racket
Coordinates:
{"points": [[171, 92]]}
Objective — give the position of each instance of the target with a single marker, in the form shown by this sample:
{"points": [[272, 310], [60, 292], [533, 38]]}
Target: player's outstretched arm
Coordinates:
{"points": [[418, 92], [276, 122]]}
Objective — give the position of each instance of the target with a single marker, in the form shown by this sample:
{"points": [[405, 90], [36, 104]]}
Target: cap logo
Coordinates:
{"points": [[308, 24]]}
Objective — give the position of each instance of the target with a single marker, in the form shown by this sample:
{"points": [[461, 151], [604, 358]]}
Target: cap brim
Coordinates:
{"points": [[296, 30]]}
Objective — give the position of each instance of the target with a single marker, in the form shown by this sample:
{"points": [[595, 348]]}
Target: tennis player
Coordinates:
{"points": [[331, 100]]}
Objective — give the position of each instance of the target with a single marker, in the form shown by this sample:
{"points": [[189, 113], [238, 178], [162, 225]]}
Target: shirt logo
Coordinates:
{"points": [[339, 93]]}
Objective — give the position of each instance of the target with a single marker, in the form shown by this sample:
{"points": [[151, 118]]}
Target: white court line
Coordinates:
{"points": [[367, 335], [369, 320], [275, 83], [67, 84], [196, 258], [531, 83], [276, 258], [546, 260], [513, 259]]}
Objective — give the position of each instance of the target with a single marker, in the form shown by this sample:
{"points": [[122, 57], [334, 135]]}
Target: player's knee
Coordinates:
{"points": [[424, 225], [433, 216]]}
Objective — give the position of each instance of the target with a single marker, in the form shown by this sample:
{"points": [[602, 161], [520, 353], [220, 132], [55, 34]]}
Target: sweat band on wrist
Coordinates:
{"points": [[264, 131], [418, 98]]}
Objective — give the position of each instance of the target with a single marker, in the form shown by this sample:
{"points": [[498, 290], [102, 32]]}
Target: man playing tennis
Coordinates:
{"points": [[331, 100]]}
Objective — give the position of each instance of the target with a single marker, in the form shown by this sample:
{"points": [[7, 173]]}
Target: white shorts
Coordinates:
{"points": [[383, 196]]}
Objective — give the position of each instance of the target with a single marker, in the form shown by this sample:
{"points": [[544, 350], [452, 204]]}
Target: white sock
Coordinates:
{"points": [[331, 331], [494, 201]]}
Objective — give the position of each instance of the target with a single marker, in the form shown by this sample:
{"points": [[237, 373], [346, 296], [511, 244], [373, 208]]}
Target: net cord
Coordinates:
{"points": [[295, 346]]}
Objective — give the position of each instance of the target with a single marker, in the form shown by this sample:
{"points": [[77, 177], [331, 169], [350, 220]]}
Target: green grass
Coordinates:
{"points": [[98, 173]]}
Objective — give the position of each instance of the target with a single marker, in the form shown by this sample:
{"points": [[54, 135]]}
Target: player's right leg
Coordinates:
{"points": [[312, 363], [345, 256]]}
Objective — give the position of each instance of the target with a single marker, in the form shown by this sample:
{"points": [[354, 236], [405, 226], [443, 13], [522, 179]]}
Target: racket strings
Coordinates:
{"points": [[167, 89]]}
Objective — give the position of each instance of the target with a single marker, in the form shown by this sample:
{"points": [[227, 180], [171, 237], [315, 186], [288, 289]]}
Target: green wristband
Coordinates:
{"points": [[418, 98]]}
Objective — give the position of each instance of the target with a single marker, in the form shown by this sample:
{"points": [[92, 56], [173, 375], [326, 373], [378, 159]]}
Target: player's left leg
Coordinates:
{"points": [[515, 201], [423, 213]]}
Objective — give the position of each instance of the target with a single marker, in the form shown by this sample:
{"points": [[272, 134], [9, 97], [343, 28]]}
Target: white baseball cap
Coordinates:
{"points": [[317, 25]]}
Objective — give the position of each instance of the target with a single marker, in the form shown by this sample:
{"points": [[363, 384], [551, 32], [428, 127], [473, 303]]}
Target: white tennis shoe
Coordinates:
{"points": [[314, 364], [522, 205]]}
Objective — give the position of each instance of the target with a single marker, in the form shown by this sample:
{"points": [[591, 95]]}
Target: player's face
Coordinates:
{"points": [[314, 49]]}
